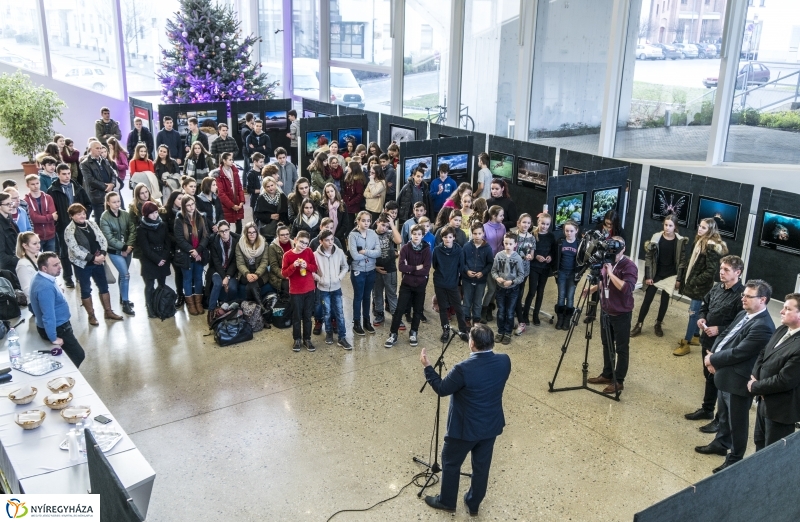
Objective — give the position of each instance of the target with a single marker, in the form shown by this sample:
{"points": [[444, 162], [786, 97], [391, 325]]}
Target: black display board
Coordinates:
{"points": [[180, 112], [529, 196], [761, 487], [330, 127], [429, 151], [589, 162], [373, 122], [665, 190], [319, 108], [274, 115], [404, 129], [479, 139], [565, 189], [778, 268]]}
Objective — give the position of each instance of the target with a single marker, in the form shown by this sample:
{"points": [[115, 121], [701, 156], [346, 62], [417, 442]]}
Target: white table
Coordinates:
{"points": [[31, 460]]}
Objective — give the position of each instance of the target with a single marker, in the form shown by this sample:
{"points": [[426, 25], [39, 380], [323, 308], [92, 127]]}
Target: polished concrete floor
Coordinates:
{"points": [[258, 432]]}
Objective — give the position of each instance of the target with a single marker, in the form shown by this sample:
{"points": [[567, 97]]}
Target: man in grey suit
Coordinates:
{"points": [[776, 379], [475, 418], [731, 360]]}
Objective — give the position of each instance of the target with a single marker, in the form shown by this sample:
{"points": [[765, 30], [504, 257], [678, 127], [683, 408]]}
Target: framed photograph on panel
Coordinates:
{"points": [[410, 164], [568, 171], [398, 133], [309, 114], [780, 231], [501, 165], [725, 213], [457, 163], [275, 120], [569, 207], [354, 135], [317, 139], [604, 200], [532, 173], [668, 201]]}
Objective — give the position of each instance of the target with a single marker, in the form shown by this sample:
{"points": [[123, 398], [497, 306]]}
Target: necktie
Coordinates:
{"points": [[784, 338], [730, 335]]}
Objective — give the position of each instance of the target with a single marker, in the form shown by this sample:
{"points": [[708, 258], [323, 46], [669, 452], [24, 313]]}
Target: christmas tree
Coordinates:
{"points": [[208, 61]]}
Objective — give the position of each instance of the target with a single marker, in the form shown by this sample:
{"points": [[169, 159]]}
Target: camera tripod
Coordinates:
{"points": [[583, 300], [435, 467]]}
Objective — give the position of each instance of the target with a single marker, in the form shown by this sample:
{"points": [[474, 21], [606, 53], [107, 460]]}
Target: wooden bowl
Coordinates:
{"points": [[30, 425], [64, 387], [22, 400], [54, 404], [75, 414]]}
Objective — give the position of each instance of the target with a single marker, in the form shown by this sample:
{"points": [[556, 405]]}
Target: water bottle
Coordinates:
{"points": [[12, 345]]}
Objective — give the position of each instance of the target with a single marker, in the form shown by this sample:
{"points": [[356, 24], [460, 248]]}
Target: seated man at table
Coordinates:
{"points": [[51, 309]]}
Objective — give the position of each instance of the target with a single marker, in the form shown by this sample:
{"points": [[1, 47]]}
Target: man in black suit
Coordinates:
{"points": [[731, 361], [475, 418], [98, 179], [776, 379]]}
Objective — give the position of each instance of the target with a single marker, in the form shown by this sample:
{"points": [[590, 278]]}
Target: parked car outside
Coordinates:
{"points": [[754, 73], [669, 51], [648, 52], [687, 50], [706, 50], [90, 77]]}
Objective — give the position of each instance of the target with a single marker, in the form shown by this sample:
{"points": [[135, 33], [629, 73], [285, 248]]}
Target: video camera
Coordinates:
{"points": [[594, 252]]}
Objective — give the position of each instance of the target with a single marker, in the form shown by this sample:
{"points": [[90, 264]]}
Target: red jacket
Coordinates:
{"points": [[230, 195], [42, 221], [353, 196], [299, 284]]}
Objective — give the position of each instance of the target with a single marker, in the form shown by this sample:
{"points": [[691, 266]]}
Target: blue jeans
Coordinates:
{"points": [[506, 306], [216, 290], [332, 306], [362, 291], [694, 311], [193, 278], [122, 264], [566, 289], [85, 276], [473, 298], [49, 245]]}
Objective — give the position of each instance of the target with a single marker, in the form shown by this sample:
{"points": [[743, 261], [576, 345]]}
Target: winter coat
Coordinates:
{"points": [[169, 177], [406, 200], [370, 244], [264, 210], [101, 129], [72, 159], [408, 262], [651, 255], [119, 231], [78, 243], [260, 143], [135, 137], [299, 224], [697, 283], [493, 235], [231, 193], [319, 180], [252, 186], [211, 208], [199, 168], [294, 204], [215, 263], [155, 245], [42, 221], [331, 269], [183, 244], [374, 196], [95, 177], [62, 203], [353, 196], [477, 259], [8, 243], [261, 265], [275, 259]]}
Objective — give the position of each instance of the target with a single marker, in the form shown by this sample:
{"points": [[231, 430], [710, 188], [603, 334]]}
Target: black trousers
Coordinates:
{"points": [[454, 452], [711, 393], [619, 327], [302, 310], [734, 424], [649, 294], [536, 284], [769, 431], [450, 297], [71, 346], [63, 255], [413, 296], [178, 271], [149, 288]]}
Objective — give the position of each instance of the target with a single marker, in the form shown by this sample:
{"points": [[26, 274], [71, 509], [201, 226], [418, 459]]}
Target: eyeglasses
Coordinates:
{"points": [[745, 296], [9, 205], [303, 243], [223, 230]]}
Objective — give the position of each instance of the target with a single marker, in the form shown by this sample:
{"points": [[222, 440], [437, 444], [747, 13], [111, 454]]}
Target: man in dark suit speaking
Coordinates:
{"points": [[731, 361], [475, 418], [776, 379]]}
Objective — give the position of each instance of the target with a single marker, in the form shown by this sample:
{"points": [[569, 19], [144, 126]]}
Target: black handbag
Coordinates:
{"points": [[232, 331]]}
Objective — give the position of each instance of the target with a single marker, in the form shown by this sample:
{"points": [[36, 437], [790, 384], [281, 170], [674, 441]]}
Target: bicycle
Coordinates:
{"points": [[465, 121]]}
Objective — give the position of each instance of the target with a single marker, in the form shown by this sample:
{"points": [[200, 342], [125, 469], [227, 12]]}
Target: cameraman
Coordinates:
{"points": [[617, 283]]}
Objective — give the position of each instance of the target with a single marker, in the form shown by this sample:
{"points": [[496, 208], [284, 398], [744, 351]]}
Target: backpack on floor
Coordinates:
{"points": [[231, 331], [164, 302], [9, 306], [252, 314], [282, 312], [225, 311]]}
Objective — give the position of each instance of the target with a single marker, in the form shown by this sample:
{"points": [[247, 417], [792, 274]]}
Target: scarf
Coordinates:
{"points": [[209, 198], [336, 173], [228, 173], [273, 200], [333, 213], [311, 221], [252, 253], [152, 225]]}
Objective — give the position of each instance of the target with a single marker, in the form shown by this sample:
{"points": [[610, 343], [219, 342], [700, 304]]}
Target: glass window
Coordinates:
{"points": [[21, 35], [88, 59], [347, 40], [489, 69], [764, 121], [270, 25], [368, 90], [360, 31], [569, 72], [425, 57], [144, 33], [305, 48], [669, 81]]}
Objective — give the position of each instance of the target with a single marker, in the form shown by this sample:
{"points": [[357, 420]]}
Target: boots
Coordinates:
{"points": [[695, 341], [657, 329], [683, 348], [181, 300], [127, 308], [87, 304], [109, 313], [567, 318], [484, 313], [636, 330], [190, 304], [198, 303], [560, 315]]}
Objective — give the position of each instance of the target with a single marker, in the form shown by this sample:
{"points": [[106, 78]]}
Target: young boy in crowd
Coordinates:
{"points": [[448, 263], [253, 180], [294, 130], [478, 261], [386, 268], [331, 270], [415, 264], [419, 212], [442, 188], [428, 237], [508, 271], [299, 265], [47, 174], [325, 225], [43, 214], [390, 175]]}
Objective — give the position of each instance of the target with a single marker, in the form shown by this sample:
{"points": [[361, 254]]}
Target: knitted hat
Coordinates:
{"points": [[148, 208]]}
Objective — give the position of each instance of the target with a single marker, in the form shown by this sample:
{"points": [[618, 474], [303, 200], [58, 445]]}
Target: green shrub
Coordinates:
{"points": [[784, 120], [705, 115]]}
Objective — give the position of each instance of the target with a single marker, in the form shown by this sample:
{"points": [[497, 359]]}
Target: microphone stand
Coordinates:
{"points": [[435, 467]]}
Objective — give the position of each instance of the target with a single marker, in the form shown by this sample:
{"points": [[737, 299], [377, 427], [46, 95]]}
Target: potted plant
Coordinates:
{"points": [[27, 115]]}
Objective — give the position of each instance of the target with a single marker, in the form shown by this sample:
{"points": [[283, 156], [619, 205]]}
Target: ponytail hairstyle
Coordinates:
{"points": [[493, 212], [479, 209], [542, 215]]}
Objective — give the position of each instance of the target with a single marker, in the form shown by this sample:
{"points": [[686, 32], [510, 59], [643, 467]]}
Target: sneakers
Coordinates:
{"points": [[683, 348], [379, 319], [344, 344], [329, 338], [498, 338], [317, 327], [298, 345], [402, 326], [309, 345], [506, 339], [368, 327], [391, 341], [520, 329], [412, 338], [69, 283], [445, 335], [358, 330], [464, 336], [637, 330]]}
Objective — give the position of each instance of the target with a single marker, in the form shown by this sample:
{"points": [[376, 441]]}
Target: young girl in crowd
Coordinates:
{"points": [[493, 233], [191, 238], [479, 209], [526, 244], [540, 266], [143, 172], [332, 206], [467, 214], [566, 254], [353, 191], [454, 201], [375, 192], [271, 208], [198, 162], [118, 156], [209, 204], [350, 150], [365, 248], [252, 262], [119, 229], [317, 171], [373, 149], [299, 267], [307, 221], [168, 172], [302, 190], [230, 191]]}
